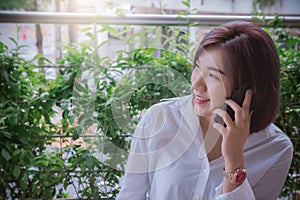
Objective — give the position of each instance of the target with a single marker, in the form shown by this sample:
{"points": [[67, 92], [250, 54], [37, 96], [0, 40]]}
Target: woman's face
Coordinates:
{"points": [[209, 82]]}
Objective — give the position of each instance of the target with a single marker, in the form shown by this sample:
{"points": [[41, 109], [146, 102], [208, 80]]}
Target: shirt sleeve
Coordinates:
{"points": [[269, 186], [133, 186], [135, 182], [270, 181], [244, 191]]}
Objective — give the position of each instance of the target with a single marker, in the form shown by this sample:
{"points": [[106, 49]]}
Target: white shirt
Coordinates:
{"points": [[167, 160]]}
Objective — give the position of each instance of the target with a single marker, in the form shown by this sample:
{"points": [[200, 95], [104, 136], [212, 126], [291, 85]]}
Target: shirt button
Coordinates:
{"points": [[204, 170], [197, 197], [201, 155]]}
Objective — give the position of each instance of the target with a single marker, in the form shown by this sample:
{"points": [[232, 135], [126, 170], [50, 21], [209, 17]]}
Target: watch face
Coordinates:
{"points": [[237, 176], [240, 177]]}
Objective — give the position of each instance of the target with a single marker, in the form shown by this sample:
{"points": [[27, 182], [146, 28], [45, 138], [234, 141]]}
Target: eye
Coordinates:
{"points": [[213, 76]]}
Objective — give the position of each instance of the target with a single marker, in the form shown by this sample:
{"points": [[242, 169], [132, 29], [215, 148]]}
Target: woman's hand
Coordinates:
{"points": [[235, 134]]}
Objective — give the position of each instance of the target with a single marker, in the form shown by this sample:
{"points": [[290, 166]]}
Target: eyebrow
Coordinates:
{"points": [[216, 69]]}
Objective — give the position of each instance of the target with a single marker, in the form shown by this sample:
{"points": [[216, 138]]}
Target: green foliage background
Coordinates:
{"points": [[86, 93]]}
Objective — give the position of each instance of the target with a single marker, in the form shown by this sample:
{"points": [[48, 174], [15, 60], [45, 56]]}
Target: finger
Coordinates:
{"points": [[247, 100], [251, 113], [235, 107], [224, 115], [219, 127], [239, 113]]}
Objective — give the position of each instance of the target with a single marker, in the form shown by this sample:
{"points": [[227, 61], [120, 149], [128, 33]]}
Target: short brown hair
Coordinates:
{"points": [[250, 57]]}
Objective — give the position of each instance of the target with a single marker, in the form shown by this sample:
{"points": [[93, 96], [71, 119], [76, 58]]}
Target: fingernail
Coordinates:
{"points": [[250, 91]]}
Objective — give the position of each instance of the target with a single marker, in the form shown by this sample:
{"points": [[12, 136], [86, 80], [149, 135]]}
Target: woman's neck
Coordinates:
{"points": [[204, 124], [212, 139]]}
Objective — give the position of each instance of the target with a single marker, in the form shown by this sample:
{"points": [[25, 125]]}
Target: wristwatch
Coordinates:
{"points": [[236, 177]]}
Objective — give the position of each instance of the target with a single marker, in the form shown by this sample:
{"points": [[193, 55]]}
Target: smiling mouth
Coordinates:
{"points": [[201, 100]]}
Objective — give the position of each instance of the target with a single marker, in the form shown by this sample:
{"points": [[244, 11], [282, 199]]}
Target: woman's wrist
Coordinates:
{"points": [[233, 163], [234, 172]]}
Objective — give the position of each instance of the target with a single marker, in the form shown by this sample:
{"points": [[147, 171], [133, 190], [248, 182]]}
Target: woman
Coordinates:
{"points": [[179, 151]]}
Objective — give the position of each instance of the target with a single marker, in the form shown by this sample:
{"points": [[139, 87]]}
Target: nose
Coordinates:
{"points": [[198, 81]]}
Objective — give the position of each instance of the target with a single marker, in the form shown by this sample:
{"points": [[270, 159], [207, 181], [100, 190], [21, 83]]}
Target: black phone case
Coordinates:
{"points": [[238, 97]]}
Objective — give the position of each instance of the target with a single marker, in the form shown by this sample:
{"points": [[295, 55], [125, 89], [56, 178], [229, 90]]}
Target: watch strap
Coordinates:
{"points": [[236, 177]]}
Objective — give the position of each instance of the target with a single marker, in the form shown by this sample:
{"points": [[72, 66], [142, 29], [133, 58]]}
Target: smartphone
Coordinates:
{"points": [[238, 96]]}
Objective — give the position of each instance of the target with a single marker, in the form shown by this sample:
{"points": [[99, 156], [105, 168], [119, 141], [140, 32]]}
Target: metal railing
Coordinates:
{"points": [[130, 19]]}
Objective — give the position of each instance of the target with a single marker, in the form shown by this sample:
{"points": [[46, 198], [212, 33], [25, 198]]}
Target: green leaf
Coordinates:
{"points": [[24, 140], [13, 40], [16, 171], [90, 35], [112, 31], [120, 12], [65, 184], [3, 47], [75, 135], [37, 56], [71, 119], [5, 133], [16, 152], [86, 29], [186, 3], [6, 154]]}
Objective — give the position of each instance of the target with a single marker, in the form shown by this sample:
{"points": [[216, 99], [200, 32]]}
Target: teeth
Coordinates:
{"points": [[199, 97], [202, 99]]}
